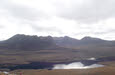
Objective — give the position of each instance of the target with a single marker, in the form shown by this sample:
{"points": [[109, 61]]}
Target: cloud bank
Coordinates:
{"points": [[75, 18], [76, 65]]}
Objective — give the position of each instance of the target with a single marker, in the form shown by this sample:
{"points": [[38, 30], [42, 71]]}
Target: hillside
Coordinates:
{"points": [[26, 42], [86, 41], [23, 49]]}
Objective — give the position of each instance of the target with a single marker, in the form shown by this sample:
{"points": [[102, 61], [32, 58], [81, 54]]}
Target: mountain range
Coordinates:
{"points": [[27, 42]]}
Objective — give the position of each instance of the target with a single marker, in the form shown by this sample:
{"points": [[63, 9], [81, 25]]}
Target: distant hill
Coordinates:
{"points": [[86, 41], [25, 48], [26, 42], [66, 41]]}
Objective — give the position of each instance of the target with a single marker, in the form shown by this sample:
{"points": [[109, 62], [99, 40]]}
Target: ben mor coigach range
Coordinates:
{"points": [[23, 49], [21, 41]]}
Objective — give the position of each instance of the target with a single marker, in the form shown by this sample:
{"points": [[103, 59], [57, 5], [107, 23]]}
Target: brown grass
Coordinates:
{"points": [[96, 71]]}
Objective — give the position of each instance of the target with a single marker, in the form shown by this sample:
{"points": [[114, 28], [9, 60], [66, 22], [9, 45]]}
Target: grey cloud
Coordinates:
{"points": [[26, 13], [90, 11], [45, 29], [1, 26], [40, 28], [104, 32], [21, 11]]}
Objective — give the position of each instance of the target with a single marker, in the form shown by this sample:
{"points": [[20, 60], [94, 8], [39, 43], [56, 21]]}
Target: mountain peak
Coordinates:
{"points": [[90, 38], [21, 41]]}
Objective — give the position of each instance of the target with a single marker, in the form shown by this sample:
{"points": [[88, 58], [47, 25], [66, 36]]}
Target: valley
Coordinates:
{"points": [[37, 55]]}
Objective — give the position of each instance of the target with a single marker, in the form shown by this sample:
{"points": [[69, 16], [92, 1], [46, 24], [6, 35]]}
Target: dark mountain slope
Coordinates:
{"points": [[25, 48], [66, 41], [26, 42], [86, 41]]}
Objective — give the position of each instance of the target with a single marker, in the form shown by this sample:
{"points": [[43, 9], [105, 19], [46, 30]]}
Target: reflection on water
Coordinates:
{"points": [[76, 65]]}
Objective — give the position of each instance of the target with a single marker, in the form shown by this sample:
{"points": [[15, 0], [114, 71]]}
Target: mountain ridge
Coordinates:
{"points": [[28, 42]]}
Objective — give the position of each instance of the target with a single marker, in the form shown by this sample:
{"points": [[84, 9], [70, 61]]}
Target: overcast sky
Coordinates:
{"points": [[75, 18]]}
